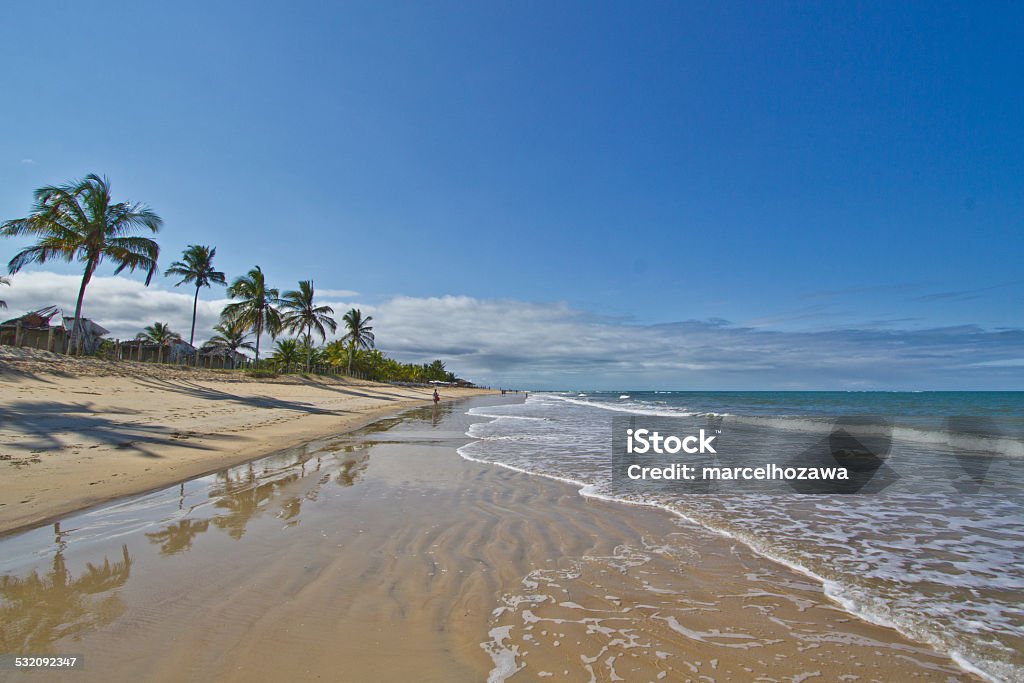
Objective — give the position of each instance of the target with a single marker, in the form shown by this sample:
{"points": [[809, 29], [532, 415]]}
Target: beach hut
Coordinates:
{"points": [[215, 356], [48, 329], [35, 330], [176, 352], [90, 334], [181, 353]]}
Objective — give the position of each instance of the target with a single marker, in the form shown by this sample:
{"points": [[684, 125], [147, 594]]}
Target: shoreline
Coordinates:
{"points": [[383, 553], [585, 491], [148, 427]]}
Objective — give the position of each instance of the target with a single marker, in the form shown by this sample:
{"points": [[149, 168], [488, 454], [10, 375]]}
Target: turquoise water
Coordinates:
{"points": [[1008, 404]]}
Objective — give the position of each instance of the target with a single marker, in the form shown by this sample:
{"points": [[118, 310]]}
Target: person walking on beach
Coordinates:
{"points": [[437, 397]]}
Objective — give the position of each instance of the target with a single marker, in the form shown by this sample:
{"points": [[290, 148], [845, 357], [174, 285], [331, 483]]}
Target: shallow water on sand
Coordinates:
{"points": [[382, 555], [937, 554]]}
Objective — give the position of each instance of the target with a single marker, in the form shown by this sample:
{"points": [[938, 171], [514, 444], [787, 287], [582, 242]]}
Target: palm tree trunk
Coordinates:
{"points": [[192, 335], [350, 360], [75, 336], [258, 329], [309, 347]]}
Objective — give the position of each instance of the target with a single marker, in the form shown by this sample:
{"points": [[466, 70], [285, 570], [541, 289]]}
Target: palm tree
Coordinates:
{"points": [[196, 265], [302, 316], [158, 333], [4, 281], [81, 221], [359, 333], [230, 336], [287, 353], [256, 311], [314, 356]]}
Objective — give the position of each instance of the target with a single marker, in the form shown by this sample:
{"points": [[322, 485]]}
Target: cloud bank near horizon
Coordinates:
{"points": [[552, 345]]}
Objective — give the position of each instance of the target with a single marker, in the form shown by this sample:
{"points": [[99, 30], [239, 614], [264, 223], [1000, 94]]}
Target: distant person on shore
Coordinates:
{"points": [[437, 397]]}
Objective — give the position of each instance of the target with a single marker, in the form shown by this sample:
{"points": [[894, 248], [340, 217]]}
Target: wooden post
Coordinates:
{"points": [[49, 338], [17, 334]]}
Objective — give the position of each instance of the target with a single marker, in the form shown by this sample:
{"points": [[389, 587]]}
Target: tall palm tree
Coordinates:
{"points": [[196, 265], [359, 332], [230, 336], [4, 281], [256, 309], [81, 221], [301, 315]]}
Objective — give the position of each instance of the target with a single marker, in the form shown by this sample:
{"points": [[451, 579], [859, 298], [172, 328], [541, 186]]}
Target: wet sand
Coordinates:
{"points": [[382, 555]]}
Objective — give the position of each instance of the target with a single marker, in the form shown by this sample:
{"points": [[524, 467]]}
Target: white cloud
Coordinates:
{"points": [[339, 293], [122, 305], [29, 162], [521, 343]]}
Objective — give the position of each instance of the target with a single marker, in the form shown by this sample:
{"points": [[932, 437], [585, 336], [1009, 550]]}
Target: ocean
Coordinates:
{"points": [[939, 555]]}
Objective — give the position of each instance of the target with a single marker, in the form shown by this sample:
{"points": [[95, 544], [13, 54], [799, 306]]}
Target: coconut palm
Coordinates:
{"points": [[161, 334], [196, 266], [81, 221], [287, 354], [158, 333], [4, 281], [359, 333], [314, 355], [230, 336], [301, 315], [256, 309]]}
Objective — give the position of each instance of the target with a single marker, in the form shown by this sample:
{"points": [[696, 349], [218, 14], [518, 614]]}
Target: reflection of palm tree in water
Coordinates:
{"points": [[36, 611], [242, 495], [178, 537], [243, 498], [352, 468]]}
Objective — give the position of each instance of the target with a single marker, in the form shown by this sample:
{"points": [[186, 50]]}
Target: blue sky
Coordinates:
{"points": [[799, 168]]}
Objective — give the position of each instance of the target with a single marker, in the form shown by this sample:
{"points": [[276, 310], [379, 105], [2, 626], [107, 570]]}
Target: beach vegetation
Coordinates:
{"points": [[161, 334], [287, 355], [158, 333], [374, 365], [229, 336], [358, 333], [80, 221], [256, 309], [301, 314], [196, 267]]}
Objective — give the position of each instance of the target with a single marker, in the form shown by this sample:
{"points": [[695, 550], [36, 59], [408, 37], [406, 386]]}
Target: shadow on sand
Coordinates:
{"points": [[43, 422], [209, 394]]}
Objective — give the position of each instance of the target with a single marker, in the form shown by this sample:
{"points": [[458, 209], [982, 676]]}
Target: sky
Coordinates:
{"points": [[666, 195]]}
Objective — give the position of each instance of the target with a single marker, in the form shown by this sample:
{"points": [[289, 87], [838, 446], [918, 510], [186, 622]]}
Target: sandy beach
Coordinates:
{"points": [[75, 432], [383, 555]]}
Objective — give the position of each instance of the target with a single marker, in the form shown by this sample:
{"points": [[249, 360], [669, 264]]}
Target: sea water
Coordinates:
{"points": [[944, 566]]}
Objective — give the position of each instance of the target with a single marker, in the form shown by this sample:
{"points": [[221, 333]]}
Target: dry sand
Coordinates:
{"points": [[74, 432], [383, 556]]}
